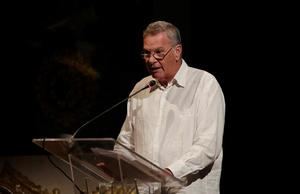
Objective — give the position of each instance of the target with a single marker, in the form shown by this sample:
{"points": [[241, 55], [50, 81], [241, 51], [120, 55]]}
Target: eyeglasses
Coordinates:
{"points": [[158, 55]]}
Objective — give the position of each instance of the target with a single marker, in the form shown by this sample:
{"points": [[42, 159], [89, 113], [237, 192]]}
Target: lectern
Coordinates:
{"points": [[110, 165]]}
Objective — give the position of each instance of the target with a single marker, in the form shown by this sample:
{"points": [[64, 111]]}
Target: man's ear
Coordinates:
{"points": [[178, 51]]}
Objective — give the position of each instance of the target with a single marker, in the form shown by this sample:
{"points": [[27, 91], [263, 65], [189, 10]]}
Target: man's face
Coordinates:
{"points": [[161, 57]]}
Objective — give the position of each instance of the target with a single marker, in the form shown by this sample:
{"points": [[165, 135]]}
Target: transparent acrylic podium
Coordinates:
{"points": [[109, 165]]}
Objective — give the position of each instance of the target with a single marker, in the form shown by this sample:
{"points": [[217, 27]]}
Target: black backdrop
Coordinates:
{"points": [[70, 60], [48, 89]]}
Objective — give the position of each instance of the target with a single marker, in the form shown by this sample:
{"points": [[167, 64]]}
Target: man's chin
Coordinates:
{"points": [[157, 75]]}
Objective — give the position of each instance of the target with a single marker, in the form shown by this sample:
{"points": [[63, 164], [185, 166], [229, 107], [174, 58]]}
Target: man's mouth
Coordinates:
{"points": [[154, 69]]}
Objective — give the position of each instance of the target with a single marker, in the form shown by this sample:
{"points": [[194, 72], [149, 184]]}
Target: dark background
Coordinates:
{"points": [[71, 60], [66, 61]]}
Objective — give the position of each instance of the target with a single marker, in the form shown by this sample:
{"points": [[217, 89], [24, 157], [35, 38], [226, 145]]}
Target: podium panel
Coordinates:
{"points": [[110, 165]]}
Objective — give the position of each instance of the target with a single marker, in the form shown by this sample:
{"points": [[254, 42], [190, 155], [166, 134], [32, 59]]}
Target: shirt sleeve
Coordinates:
{"points": [[125, 136], [208, 133]]}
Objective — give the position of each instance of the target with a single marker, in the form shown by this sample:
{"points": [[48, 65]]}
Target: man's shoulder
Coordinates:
{"points": [[202, 76], [201, 72], [142, 83]]}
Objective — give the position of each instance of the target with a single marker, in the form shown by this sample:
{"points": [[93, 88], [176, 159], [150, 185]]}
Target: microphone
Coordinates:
{"points": [[151, 84]]}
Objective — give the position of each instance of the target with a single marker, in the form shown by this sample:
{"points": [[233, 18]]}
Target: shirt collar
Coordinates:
{"points": [[180, 77]]}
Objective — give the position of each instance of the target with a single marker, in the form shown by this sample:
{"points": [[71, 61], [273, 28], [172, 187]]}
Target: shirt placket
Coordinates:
{"points": [[159, 125]]}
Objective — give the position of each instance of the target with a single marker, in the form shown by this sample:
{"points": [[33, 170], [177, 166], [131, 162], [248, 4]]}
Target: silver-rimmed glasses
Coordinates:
{"points": [[157, 54]]}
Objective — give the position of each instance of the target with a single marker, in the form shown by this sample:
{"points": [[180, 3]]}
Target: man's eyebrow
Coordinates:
{"points": [[156, 49]]}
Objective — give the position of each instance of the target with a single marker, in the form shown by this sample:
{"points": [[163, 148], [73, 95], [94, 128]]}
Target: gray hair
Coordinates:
{"points": [[172, 31]]}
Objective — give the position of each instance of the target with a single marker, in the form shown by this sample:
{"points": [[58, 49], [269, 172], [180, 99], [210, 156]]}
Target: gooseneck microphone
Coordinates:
{"points": [[151, 84]]}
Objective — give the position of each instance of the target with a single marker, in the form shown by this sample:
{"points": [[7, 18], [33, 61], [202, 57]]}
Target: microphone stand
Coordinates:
{"points": [[150, 84]]}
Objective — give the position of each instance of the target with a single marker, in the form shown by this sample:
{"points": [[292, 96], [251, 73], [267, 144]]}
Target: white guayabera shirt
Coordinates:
{"points": [[180, 127]]}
